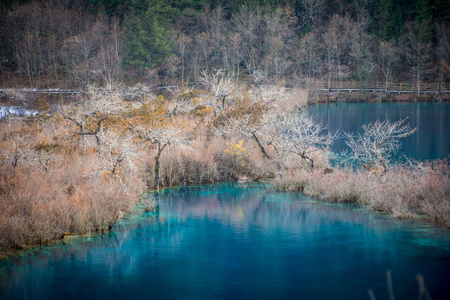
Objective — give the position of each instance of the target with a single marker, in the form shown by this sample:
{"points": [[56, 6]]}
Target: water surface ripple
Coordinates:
{"points": [[239, 242]]}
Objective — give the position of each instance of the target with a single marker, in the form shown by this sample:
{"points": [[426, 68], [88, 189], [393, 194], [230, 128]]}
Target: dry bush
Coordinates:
{"points": [[293, 181], [294, 99], [325, 184], [211, 162], [419, 190], [393, 193], [33, 209], [107, 196], [188, 168], [53, 189], [261, 168], [280, 97], [106, 203], [404, 192], [435, 192], [338, 186], [184, 166], [37, 207]]}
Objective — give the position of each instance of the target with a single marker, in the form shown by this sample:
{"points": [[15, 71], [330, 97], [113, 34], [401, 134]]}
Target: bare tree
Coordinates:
{"points": [[215, 26], [160, 138], [380, 141], [40, 30], [337, 40], [297, 133], [118, 153], [279, 41], [91, 111], [220, 85], [443, 52], [388, 58], [247, 22], [360, 49], [312, 10], [245, 121], [310, 59], [417, 49]]}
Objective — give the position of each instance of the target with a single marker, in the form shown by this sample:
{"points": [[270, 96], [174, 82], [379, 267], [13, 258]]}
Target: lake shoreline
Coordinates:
{"points": [[371, 97], [82, 169], [313, 188], [218, 229]]}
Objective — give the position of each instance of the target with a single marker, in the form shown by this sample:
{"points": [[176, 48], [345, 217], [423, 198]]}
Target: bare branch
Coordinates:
{"points": [[299, 134], [379, 142]]}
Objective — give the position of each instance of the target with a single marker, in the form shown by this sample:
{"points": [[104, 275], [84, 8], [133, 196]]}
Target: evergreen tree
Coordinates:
{"points": [[136, 45], [146, 32], [388, 17], [160, 49]]}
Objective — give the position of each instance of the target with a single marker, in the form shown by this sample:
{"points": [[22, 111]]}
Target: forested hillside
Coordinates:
{"points": [[301, 42]]}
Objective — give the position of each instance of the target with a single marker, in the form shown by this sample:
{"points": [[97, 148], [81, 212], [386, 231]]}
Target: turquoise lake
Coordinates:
{"points": [[234, 241], [432, 120], [248, 241]]}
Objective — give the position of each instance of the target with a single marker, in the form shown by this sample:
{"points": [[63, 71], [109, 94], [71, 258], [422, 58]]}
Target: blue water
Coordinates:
{"points": [[432, 120], [239, 242]]}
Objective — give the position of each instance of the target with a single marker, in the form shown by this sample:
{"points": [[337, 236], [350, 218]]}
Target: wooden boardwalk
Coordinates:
{"points": [[326, 87], [42, 91], [394, 88]]}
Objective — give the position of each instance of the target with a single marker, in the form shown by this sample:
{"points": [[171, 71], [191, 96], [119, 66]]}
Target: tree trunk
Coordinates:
{"points": [[156, 185], [260, 146], [308, 160], [157, 165]]}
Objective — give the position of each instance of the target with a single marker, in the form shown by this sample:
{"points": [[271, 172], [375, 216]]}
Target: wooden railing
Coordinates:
{"points": [[342, 86], [382, 86]]}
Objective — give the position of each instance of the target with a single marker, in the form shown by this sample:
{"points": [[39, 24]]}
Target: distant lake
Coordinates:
{"points": [[239, 242], [432, 120]]}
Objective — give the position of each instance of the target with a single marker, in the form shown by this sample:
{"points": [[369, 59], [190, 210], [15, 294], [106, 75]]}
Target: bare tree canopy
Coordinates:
{"points": [[378, 144], [297, 133]]}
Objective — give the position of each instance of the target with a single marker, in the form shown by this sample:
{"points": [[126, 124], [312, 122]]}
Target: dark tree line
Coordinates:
{"points": [[73, 43]]}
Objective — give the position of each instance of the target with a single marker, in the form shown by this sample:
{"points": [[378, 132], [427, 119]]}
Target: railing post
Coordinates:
{"points": [[353, 85], [400, 86], [425, 86]]}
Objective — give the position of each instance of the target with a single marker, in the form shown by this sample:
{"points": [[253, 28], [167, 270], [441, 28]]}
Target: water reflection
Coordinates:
{"points": [[238, 242], [431, 141]]}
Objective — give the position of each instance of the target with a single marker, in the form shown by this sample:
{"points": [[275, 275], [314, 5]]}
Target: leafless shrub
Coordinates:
{"points": [[380, 141], [189, 166], [405, 191], [93, 109], [297, 133], [411, 191], [221, 86], [338, 186]]}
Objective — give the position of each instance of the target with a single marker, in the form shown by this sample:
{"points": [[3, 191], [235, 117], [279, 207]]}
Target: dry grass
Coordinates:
{"points": [[38, 207], [50, 188], [404, 192], [54, 183]]}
